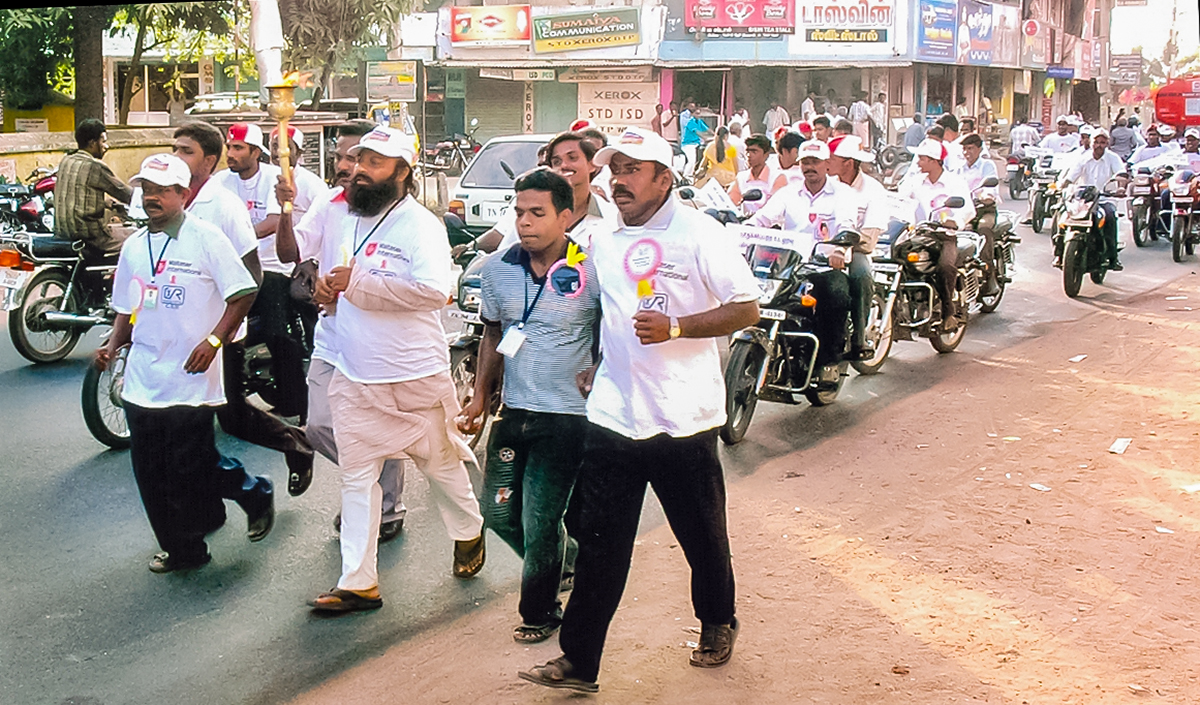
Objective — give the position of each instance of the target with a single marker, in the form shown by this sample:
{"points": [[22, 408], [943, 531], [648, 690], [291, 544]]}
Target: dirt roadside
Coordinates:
{"points": [[973, 543]]}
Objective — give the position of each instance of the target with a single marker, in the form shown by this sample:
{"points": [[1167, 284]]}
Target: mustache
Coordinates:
{"points": [[621, 191]]}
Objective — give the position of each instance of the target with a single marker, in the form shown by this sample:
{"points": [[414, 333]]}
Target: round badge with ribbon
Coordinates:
{"points": [[642, 260], [566, 276]]}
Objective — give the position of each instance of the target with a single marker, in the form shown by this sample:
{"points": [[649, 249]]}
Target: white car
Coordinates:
{"points": [[486, 187]]}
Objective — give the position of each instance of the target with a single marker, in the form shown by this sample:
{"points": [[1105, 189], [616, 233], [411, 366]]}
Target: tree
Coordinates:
{"points": [[327, 35], [88, 24], [36, 46]]}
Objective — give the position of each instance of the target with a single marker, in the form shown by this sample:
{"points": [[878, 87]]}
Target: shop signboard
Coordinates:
{"points": [[629, 74], [1036, 47], [1060, 72], [740, 18], [1126, 69], [489, 26], [608, 27], [846, 21], [456, 83], [935, 31], [518, 74], [615, 106], [392, 81], [1006, 36], [975, 33]]}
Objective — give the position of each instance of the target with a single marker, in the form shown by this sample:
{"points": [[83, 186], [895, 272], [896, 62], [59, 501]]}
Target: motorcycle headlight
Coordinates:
{"points": [[767, 289], [469, 298], [1078, 210], [1181, 189]]}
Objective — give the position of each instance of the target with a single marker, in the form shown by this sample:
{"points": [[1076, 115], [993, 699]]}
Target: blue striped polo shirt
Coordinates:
{"points": [[561, 332]]}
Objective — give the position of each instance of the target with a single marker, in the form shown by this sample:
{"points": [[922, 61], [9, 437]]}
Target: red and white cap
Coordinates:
{"points": [[294, 134], [580, 125], [246, 132], [804, 127], [164, 170], [930, 147], [388, 142], [637, 143], [850, 147], [780, 132], [813, 149], [1192, 132]]}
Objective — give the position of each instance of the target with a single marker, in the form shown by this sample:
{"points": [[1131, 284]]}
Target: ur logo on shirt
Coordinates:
{"points": [[173, 296]]}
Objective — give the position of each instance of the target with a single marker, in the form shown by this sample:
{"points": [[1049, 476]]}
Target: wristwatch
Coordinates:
{"points": [[676, 331], [214, 341]]}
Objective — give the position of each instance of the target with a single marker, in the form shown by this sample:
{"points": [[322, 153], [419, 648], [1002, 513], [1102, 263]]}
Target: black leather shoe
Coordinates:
{"points": [[300, 471], [390, 530], [166, 563], [260, 520], [1116, 266]]}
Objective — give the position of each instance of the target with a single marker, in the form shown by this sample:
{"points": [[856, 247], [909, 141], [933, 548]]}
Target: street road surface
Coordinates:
{"points": [[86, 622]]}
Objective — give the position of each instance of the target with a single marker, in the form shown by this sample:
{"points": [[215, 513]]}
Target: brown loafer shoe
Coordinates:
{"points": [[716, 644], [469, 557]]}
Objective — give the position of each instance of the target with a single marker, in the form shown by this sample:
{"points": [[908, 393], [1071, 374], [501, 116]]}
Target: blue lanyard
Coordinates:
{"points": [[358, 248], [529, 306], [150, 252]]}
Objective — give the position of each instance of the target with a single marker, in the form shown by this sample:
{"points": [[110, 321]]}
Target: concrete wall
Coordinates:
{"points": [[21, 153]]}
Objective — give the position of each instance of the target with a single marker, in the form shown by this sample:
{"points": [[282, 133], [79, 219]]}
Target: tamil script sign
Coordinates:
{"points": [[492, 25], [592, 30], [856, 36], [742, 18], [1126, 69], [846, 14]]}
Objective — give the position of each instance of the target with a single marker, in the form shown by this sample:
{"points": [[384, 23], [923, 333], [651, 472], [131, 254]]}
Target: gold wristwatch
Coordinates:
{"points": [[214, 341], [676, 331]]}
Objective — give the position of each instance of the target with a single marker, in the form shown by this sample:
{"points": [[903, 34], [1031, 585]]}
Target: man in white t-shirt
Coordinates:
{"points": [[976, 169], [273, 315], [310, 188], [1097, 169], [321, 236], [180, 292], [671, 281], [392, 394], [200, 145], [1062, 141], [759, 175], [775, 118]]}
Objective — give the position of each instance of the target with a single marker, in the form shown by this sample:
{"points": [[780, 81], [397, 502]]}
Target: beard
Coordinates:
{"points": [[369, 200]]}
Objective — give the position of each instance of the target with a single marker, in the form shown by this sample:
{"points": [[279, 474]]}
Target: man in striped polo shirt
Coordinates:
{"points": [[541, 309]]}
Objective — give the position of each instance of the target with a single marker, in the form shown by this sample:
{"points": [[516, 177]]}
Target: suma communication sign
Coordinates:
{"points": [[590, 30], [740, 17], [490, 25]]}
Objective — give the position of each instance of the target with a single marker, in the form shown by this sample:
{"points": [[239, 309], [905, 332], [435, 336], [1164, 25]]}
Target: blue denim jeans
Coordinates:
{"points": [[532, 461]]}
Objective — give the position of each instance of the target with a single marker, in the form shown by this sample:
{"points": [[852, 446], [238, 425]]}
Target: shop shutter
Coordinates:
{"points": [[497, 104]]}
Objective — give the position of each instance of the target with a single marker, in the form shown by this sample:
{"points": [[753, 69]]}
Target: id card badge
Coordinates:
{"points": [[150, 298], [512, 341]]}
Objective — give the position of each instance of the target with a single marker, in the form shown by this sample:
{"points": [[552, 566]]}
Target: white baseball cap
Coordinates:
{"points": [[388, 142], [1087, 130], [1061, 118], [246, 132], [1192, 132], [1099, 131], [930, 148], [294, 134], [164, 170], [637, 143], [1072, 120], [850, 147], [813, 149]]}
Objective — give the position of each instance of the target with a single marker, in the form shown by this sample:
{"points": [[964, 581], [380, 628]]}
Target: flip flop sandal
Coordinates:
{"points": [[554, 674], [469, 557], [528, 634], [338, 600]]}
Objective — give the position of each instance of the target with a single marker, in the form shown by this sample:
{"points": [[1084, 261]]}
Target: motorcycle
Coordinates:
{"points": [[1081, 245], [1019, 170], [52, 294], [29, 208], [778, 359], [1185, 222], [1145, 191], [452, 155], [1004, 242], [1044, 193]]}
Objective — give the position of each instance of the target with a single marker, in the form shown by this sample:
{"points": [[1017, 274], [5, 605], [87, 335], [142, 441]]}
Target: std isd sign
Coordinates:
{"points": [[591, 30]]}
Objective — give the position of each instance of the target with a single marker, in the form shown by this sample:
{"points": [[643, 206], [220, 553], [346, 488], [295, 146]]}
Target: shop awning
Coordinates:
{"points": [[539, 63], [790, 63]]}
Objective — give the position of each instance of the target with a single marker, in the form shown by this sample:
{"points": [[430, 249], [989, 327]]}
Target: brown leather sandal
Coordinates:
{"points": [[469, 557]]}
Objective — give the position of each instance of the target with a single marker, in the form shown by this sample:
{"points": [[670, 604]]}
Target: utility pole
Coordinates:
{"points": [[1103, 81]]}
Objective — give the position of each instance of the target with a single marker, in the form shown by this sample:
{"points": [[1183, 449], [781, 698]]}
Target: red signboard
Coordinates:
{"points": [[1178, 102], [741, 17]]}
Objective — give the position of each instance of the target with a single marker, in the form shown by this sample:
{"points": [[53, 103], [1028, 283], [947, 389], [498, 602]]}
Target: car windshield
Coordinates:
{"points": [[485, 170]]}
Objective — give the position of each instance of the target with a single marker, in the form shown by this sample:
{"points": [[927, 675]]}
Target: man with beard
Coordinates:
{"points": [[180, 292], [671, 281], [253, 181], [391, 393], [321, 236]]}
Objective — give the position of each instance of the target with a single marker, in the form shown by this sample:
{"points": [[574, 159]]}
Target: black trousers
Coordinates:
{"points": [[274, 321], [243, 420], [687, 477], [174, 453]]}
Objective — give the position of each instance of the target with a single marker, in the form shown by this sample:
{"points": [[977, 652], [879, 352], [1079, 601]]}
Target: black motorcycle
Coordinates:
{"points": [[796, 350], [1185, 221], [452, 155], [1044, 194], [1078, 244], [1144, 204]]}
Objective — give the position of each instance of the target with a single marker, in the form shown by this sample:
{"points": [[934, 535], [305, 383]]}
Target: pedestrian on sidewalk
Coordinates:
{"points": [[542, 293], [180, 293], [322, 235], [391, 393], [671, 281]]}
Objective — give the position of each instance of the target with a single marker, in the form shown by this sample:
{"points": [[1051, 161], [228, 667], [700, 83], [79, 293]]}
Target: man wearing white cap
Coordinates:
{"points": [[1154, 147], [392, 394], [671, 281], [310, 188], [975, 170], [930, 192], [870, 199], [1097, 168], [1062, 141], [1191, 148], [180, 292]]}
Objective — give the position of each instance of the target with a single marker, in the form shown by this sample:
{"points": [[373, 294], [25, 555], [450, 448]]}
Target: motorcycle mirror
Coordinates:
{"points": [[474, 122], [990, 182], [686, 193], [507, 169], [753, 195], [453, 222], [847, 238], [713, 213], [954, 202]]}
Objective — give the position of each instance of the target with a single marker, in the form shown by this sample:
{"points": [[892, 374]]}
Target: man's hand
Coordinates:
{"points": [[338, 279], [102, 359], [471, 419], [201, 357], [652, 327], [584, 380], [285, 191], [837, 259], [458, 250]]}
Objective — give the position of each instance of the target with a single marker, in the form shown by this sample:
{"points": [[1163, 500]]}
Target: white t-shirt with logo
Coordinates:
{"points": [[675, 387], [218, 206], [1060, 143], [195, 274], [1096, 172], [323, 234], [310, 189], [257, 195], [377, 347]]}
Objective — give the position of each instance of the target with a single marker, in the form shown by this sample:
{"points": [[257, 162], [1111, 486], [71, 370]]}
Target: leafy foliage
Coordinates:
{"points": [[36, 46]]}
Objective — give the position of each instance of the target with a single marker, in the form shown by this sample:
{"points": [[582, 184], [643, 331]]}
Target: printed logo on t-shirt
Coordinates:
{"points": [[671, 270], [173, 296], [654, 302], [371, 247]]}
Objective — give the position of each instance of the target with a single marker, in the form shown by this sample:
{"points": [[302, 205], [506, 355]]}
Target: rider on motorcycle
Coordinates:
{"points": [[976, 170], [1097, 169], [930, 193]]}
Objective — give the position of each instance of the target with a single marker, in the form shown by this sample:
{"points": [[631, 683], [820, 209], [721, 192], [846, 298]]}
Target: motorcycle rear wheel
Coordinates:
{"points": [[103, 412], [1073, 268], [1014, 188], [1178, 234], [43, 293], [1039, 212], [880, 331], [1138, 222], [825, 397], [1097, 275], [741, 376], [987, 304]]}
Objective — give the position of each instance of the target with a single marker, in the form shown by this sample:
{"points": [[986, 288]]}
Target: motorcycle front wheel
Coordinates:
{"points": [[462, 371], [1073, 268], [103, 411], [1039, 212], [879, 331], [746, 361], [1178, 235], [43, 293]]}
